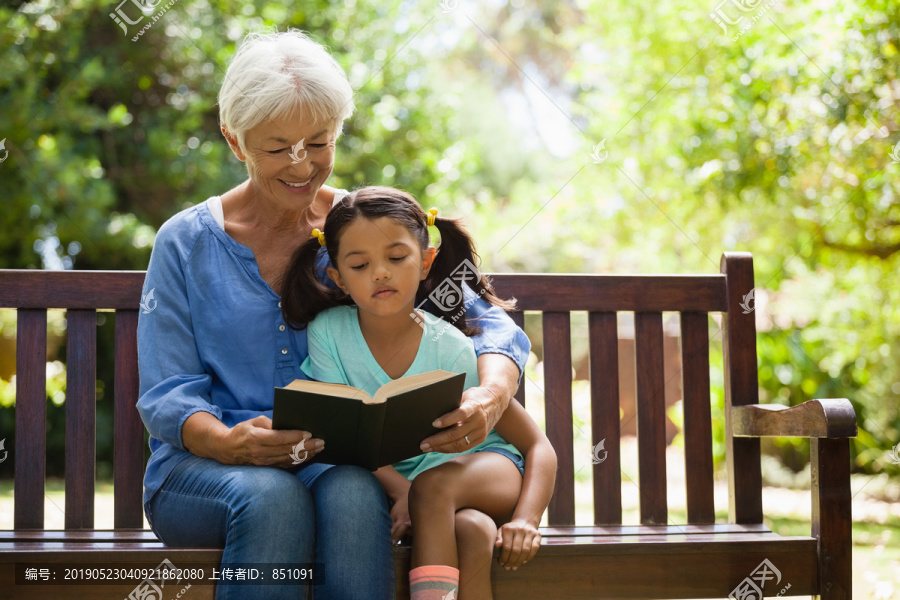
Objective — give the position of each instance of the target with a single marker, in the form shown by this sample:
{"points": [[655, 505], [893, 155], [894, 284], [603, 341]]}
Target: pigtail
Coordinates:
{"points": [[456, 250], [303, 295]]}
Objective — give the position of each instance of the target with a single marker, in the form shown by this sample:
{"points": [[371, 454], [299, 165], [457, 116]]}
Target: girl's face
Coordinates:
{"points": [[285, 171], [380, 265]]}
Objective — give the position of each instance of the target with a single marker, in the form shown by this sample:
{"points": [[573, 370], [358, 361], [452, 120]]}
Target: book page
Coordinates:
{"points": [[405, 384], [338, 390]]}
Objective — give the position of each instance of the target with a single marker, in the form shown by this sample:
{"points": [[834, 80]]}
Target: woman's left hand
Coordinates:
{"points": [[519, 542], [479, 411]]}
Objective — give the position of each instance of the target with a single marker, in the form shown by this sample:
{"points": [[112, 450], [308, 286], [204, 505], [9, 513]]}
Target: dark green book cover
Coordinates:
{"points": [[364, 431]]}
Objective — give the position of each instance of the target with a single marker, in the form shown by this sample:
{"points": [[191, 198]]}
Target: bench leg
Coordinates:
{"points": [[831, 517]]}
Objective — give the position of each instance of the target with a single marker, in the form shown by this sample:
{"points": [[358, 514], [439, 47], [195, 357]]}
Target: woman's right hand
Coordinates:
{"points": [[252, 442]]}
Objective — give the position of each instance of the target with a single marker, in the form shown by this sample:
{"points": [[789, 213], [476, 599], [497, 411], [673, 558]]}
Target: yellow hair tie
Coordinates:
{"points": [[320, 235], [432, 215]]}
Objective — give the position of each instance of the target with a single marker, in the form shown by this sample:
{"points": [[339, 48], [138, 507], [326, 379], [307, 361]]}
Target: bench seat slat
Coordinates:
{"points": [[147, 536], [547, 541], [683, 568], [667, 570], [31, 418], [81, 404]]}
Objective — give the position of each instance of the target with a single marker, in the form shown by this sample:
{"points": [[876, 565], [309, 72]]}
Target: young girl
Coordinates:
{"points": [[367, 331]]}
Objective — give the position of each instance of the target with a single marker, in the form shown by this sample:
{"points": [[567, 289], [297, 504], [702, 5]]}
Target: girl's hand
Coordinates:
{"points": [[519, 542], [401, 525]]}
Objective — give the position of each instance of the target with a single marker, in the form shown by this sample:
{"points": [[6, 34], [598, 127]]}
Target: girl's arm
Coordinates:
{"points": [[520, 538], [396, 486]]}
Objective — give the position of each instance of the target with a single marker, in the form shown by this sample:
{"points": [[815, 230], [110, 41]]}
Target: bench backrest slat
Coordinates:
{"points": [[29, 288], [31, 418], [651, 416], [81, 404], [698, 455], [548, 292], [604, 373], [128, 462], [741, 387], [558, 412]]}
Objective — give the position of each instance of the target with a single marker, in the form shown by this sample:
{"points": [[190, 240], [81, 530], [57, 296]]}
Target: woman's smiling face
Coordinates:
{"points": [[288, 160]]}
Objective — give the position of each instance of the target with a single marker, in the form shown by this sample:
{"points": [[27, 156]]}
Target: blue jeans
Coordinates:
{"points": [[334, 516]]}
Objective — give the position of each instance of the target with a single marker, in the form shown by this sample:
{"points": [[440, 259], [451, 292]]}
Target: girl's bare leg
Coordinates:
{"points": [[485, 481], [475, 536]]}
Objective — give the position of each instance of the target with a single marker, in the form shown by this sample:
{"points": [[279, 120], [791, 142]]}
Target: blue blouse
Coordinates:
{"points": [[211, 336]]}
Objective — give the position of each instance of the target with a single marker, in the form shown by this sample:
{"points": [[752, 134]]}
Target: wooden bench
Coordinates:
{"points": [[656, 559]]}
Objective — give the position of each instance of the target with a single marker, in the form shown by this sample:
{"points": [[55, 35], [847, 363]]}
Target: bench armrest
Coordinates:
{"points": [[830, 418]]}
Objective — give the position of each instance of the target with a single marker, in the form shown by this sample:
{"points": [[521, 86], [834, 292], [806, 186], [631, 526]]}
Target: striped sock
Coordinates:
{"points": [[433, 582]]}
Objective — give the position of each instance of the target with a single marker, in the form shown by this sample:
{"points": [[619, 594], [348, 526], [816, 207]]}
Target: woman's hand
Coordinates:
{"points": [[479, 411], [519, 542], [252, 442], [401, 525], [481, 406]]}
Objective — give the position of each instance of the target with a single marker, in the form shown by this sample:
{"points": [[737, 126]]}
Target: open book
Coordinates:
{"points": [[370, 432]]}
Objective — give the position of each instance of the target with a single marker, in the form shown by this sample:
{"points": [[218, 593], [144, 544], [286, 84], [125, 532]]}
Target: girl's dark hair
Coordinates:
{"points": [[303, 295]]}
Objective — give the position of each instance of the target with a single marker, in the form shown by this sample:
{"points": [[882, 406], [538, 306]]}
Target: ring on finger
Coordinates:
{"points": [[467, 440], [295, 453]]}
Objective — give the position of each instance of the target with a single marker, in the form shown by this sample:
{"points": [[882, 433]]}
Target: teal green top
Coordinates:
{"points": [[338, 353]]}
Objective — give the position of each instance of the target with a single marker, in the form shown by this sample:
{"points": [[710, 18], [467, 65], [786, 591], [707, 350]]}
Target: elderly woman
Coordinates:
{"points": [[212, 346]]}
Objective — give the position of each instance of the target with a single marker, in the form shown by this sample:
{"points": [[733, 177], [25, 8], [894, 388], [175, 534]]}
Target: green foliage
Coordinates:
{"points": [[775, 141]]}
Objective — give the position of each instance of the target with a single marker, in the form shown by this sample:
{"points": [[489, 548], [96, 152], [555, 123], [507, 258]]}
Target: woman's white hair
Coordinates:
{"points": [[274, 75]]}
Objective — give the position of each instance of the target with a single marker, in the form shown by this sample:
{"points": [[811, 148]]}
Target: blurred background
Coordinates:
{"points": [[573, 136]]}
